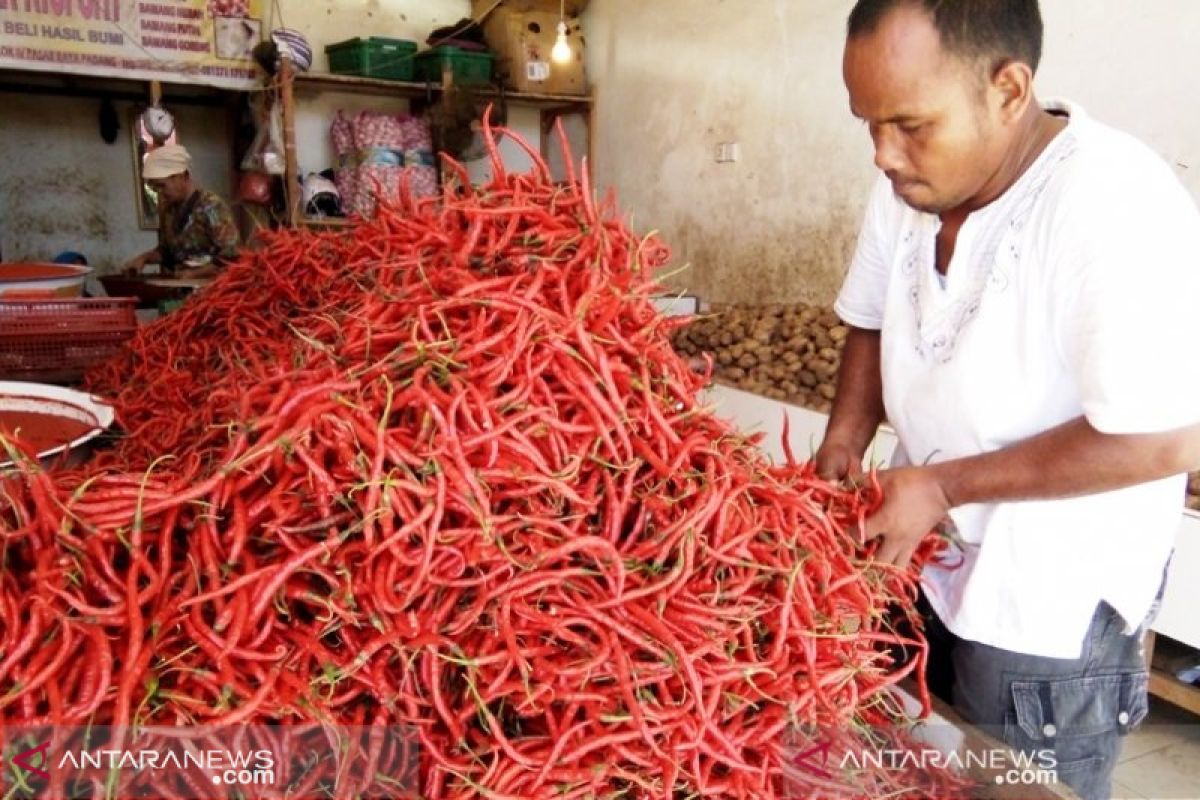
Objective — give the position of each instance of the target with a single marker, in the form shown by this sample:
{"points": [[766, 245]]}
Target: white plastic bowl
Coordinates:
{"points": [[41, 398], [19, 281]]}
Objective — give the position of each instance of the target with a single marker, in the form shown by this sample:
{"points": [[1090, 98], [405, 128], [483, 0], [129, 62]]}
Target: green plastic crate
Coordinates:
{"points": [[374, 57], [467, 67]]}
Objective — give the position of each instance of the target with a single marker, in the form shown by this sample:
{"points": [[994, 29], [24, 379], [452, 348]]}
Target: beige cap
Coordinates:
{"points": [[166, 161]]}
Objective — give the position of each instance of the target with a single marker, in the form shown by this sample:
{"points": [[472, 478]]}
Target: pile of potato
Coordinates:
{"points": [[789, 353]]}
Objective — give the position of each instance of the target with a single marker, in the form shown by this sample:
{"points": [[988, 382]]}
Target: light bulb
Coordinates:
{"points": [[561, 54]]}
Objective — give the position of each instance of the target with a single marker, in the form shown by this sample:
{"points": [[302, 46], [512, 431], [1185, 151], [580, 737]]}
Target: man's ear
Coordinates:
{"points": [[1012, 89]]}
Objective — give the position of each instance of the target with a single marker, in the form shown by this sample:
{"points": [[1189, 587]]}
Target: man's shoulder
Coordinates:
{"points": [[210, 199], [1113, 187], [1109, 163], [212, 205]]}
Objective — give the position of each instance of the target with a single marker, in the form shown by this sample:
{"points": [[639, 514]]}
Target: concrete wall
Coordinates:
{"points": [[327, 21], [674, 78], [1131, 65], [63, 188]]}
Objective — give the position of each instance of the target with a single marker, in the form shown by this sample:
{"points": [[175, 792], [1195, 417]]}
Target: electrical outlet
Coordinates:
{"points": [[727, 152]]}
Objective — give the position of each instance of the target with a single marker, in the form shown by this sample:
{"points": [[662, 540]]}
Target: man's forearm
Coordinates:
{"points": [[208, 270], [1070, 460], [858, 407]]}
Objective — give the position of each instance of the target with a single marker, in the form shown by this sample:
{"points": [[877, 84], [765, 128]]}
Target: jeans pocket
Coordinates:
{"points": [[1081, 720], [1054, 709]]}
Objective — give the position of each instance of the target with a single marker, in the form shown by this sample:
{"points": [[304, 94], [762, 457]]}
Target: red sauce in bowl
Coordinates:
{"points": [[32, 271], [42, 432]]}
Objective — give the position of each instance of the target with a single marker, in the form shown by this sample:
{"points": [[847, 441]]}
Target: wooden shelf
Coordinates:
{"points": [[325, 222], [1161, 654], [290, 83], [1165, 685], [328, 82], [538, 98]]}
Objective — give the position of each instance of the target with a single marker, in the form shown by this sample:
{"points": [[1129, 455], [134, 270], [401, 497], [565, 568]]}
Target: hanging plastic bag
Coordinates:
{"points": [[266, 153]]}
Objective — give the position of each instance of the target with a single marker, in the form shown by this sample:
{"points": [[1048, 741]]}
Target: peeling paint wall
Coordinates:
{"points": [[327, 21], [675, 78], [63, 188]]}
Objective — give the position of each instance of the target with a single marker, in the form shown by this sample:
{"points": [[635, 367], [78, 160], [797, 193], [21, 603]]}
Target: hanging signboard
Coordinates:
{"points": [[179, 41]]}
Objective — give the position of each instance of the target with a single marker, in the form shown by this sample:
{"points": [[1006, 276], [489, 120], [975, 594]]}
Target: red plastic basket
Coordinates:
{"points": [[58, 340]]}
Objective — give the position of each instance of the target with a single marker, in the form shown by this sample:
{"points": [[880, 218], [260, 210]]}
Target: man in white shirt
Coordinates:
{"points": [[1023, 300]]}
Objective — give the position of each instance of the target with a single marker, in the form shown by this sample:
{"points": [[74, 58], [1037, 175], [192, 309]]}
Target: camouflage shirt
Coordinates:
{"points": [[201, 226]]}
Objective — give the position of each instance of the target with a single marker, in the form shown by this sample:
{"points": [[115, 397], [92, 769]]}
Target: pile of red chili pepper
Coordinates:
{"points": [[441, 469]]}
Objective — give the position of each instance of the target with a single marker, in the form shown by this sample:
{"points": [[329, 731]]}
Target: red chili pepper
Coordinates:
{"points": [[442, 468]]}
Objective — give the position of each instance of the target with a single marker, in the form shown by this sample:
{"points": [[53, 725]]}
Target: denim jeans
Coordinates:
{"points": [[1079, 708]]}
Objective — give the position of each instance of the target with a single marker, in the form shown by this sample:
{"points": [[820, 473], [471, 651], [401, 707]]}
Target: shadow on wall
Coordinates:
{"points": [[804, 262]]}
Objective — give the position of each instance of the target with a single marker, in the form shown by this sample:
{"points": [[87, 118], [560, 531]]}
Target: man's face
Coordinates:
{"points": [[170, 190], [936, 137]]}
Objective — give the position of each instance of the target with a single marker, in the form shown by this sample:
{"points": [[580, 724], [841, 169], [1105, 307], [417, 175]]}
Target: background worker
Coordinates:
{"points": [[196, 230]]}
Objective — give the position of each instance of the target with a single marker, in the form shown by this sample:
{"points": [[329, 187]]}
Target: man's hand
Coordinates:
{"points": [[913, 505], [196, 273], [836, 460], [134, 266], [701, 365]]}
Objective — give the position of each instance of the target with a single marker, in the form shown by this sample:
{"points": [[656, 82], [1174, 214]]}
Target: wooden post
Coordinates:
{"points": [[291, 174], [155, 93], [244, 217], [546, 119], [447, 105], [590, 120]]}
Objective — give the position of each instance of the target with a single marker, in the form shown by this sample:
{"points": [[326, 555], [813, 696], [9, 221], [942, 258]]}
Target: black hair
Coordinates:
{"points": [[991, 31]]}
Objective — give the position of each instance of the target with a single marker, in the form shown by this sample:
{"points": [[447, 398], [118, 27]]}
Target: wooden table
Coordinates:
{"points": [[179, 283], [149, 290]]}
